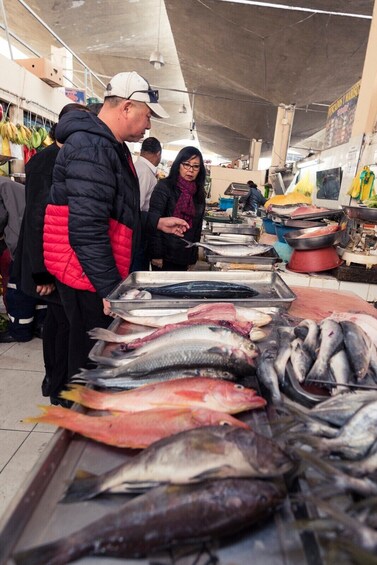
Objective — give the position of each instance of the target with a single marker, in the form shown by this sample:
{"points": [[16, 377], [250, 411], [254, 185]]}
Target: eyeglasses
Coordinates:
{"points": [[153, 94], [189, 167]]}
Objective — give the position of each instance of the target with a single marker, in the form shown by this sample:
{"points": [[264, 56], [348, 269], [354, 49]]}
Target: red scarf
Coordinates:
{"points": [[185, 207]]}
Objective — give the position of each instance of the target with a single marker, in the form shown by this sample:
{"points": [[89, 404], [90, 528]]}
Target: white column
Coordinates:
{"points": [[282, 136], [254, 154]]}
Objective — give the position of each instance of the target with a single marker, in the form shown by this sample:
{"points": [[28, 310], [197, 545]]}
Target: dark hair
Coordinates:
{"points": [[95, 107], [252, 184], [186, 154], [67, 108], [151, 145]]}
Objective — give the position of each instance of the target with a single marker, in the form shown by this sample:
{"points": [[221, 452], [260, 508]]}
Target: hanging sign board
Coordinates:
{"points": [[76, 95], [340, 118]]}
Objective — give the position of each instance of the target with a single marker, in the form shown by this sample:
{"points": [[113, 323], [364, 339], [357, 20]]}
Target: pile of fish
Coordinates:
{"points": [[140, 417], [336, 354], [337, 440], [214, 340]]}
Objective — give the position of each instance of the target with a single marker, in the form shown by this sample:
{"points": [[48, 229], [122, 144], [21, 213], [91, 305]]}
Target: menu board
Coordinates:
{"points": [[340, 118]]}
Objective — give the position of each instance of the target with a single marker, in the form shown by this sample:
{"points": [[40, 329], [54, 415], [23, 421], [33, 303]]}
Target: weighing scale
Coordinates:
{"points": [[236, 190]]}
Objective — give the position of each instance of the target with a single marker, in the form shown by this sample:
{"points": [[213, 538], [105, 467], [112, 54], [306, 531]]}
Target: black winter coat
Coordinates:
{"points": [[29, 268], [167, 246]]}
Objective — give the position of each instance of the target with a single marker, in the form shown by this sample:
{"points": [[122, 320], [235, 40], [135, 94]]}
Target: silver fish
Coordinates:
{"points": [[341, 371], [267, 375], [310, 337], [331, 342], [211, 452], [355, 438], [362, 467], [181, 355], [232, 250], [358, 346], [301, 360], [339, 409], [286, 335], [129, 382], [183, 336], [159, 519]]}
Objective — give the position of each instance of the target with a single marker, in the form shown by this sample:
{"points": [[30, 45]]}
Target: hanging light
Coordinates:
{"points": [[156, 59], [182, 109]]}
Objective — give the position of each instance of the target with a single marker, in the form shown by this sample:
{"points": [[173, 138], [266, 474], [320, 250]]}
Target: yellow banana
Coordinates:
{"points": [[5, 147]]}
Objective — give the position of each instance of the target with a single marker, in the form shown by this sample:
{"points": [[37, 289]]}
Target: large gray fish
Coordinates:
{"points": [[232, 250], [206, 331], [211, 452], [267, 375], [181, 355], [160, 518], [358, 346], [331, 342], [339, 409], [341, 371], [204, 289], [355, 438]]}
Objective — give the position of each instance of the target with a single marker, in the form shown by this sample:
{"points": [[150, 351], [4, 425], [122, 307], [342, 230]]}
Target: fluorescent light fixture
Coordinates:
{"points": [[298, 8], [304, 164]]}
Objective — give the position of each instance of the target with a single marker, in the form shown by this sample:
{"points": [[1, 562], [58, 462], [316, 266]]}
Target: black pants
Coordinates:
{"points": [[169, 266], [55, 340], [84, 311]]}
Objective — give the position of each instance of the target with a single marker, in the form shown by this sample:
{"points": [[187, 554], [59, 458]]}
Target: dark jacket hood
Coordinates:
{"points": [[79, 121]]}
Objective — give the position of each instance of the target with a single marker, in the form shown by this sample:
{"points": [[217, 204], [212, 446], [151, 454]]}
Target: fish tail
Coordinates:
{"points": [[83, 489], [85, 396], [48, 416]]}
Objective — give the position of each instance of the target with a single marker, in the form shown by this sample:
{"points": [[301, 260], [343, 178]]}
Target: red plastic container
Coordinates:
{"points": [[314, 260]]}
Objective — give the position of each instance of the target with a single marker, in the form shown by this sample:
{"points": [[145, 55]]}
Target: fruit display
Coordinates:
{"points": [[19, 134]]}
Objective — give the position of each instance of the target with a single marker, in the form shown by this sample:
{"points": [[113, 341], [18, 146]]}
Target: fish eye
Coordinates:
{"points": [[224, 423], [239, 387]]}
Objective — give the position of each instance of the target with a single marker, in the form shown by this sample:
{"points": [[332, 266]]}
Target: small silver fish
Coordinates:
{"points": [[286, 336], [232, 250], [310, 338], [267, 375], [339, 409], [301, 360], [358, 346], [331, 342]]}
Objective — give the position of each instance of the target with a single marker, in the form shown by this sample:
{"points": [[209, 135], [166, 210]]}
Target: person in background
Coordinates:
{"points": [[254, 199], [92, 221], [29, 268], [25, 314], [146, 169], [180, 194]]}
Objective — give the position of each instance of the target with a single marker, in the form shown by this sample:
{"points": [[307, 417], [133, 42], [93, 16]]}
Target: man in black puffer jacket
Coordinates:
{"points": [[93, 219]]}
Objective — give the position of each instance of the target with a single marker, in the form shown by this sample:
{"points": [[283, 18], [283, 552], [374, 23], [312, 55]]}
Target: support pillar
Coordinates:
{"points": [[254, 154], [282, 136]]}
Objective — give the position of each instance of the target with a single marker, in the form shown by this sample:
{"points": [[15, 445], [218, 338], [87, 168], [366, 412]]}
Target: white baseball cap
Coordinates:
{"points": [[132, 86]]}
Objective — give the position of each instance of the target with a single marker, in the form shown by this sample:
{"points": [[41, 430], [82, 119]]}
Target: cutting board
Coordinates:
{"points": [[318, 303]]}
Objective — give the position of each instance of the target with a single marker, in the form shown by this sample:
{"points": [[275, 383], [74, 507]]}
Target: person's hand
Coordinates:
{"points": [[107, 307], [157, 263], [45, 289], [176, 226]]}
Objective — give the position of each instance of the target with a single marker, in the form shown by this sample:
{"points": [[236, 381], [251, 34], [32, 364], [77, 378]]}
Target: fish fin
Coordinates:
{"points": [[135, 488], [83, 488], [73, 394], [221, 472]]}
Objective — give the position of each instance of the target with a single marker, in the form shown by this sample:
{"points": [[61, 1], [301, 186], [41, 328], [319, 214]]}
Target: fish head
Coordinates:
{"points": [[234, 397]]}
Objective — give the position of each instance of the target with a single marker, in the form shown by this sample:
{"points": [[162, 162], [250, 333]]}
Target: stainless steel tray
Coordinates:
{"points": [[235, 228], [361, 213], [272, 290], [269, 258]]}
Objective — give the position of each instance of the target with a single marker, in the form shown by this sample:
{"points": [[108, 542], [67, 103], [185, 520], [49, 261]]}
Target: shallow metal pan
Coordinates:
{"points": [[272, 290], [316, 242], [361, 213]]}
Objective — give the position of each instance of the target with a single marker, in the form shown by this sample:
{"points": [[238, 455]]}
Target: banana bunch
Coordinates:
{"points": [[24, 135], [9, 131], [5, 147]]}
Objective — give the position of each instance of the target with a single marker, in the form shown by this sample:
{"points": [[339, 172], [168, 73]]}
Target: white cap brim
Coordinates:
{"points": [[157, 110]]}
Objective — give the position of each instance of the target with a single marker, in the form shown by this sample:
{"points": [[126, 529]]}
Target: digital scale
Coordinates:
{"points": [[237, 190]]}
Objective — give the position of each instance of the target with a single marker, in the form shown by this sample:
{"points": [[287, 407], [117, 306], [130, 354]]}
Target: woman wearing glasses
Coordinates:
{"points": [[181, 194]]}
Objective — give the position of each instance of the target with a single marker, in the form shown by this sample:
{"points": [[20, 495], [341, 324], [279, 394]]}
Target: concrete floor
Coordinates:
{"points": [[22, 372]]}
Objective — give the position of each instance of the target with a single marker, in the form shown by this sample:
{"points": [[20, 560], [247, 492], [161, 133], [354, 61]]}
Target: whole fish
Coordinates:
{"points": [[301, 360], [129, 382], [339, 409], [286, 336], [310, 337], [341, 371], [362, 467], [134, 340], [160, 518], [367, 322], [210, 311], [181, 356], [133, 429], [213, 452], [358, 347], [232, 250], [201, 392], [355, 438], [203, 289], [205, 332], [331, 342], [267, 375]]}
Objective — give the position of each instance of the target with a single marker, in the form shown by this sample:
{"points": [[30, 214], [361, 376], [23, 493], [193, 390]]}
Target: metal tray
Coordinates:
{"points": [[269, 258], [317, 215], [272, 290], [362, 213], [235, 228]]}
